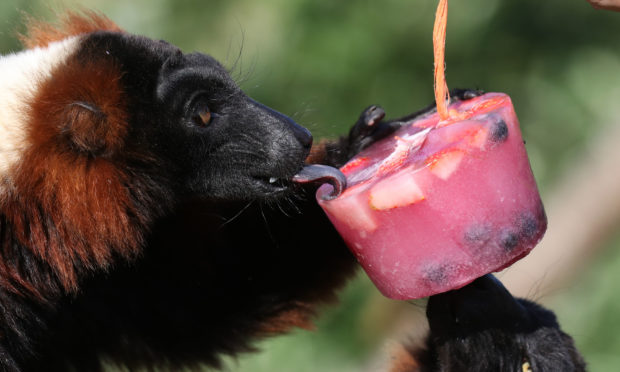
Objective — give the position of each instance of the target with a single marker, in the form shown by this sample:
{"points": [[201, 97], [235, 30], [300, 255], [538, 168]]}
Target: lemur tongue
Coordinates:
{"points": [[325, 174]]}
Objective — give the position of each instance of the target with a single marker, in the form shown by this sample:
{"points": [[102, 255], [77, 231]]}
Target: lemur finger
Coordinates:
{"points": [[367, 122], [465, 94]]}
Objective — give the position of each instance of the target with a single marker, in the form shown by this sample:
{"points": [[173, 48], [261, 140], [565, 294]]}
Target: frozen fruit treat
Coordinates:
{"points": [[441, 202]]}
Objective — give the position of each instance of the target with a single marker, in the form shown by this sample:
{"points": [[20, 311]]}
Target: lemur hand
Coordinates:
{"points": [[370, 126]]}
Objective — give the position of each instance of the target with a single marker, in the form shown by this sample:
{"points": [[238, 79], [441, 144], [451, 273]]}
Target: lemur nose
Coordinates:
{"points": [[302, 134]]}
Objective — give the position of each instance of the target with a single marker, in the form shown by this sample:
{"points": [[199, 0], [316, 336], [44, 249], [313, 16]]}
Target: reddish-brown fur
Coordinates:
{"points": [[401, 359], [301, 316], [77, 212], [318, 153], [40, 33]]}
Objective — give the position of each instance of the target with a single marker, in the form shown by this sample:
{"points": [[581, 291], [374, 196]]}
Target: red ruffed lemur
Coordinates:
{"points": [[138, 206]]}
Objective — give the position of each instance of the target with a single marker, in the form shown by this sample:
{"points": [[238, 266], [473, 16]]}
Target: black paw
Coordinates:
{"points": [[363, 132], [367, 122], [465, 94], [370, 127]]}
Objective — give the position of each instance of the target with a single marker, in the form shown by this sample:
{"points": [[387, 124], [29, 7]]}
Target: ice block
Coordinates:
{"points": [[440, 203]]}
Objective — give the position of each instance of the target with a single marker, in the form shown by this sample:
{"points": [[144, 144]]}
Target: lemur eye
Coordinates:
{"points": [[202, 117]]}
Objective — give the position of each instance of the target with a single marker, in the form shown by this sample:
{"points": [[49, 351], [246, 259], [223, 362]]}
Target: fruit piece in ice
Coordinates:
{"points": [[353, 165], [397, 191], [445, 163], [351, 211]]}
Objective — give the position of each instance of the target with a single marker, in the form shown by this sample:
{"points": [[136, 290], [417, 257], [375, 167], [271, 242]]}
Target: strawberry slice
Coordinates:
{"points": [[477, 138], [445, 163], [351, 212], [471, 134], [483, 106], [398, 191], [354, 164]]}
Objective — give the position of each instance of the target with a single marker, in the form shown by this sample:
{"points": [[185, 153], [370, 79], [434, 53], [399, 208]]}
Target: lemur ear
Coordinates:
{"points": [[94, 115], [91, 129], [82, 107]]}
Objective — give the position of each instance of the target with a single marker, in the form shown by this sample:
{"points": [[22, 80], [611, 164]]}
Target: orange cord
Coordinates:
{"points": [[442, 96]]}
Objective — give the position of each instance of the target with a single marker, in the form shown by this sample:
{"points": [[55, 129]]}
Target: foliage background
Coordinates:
{"points": [[322, 61]]}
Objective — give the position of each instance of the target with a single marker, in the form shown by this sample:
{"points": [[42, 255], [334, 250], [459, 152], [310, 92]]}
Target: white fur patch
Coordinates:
{"points": [[21, 74]]}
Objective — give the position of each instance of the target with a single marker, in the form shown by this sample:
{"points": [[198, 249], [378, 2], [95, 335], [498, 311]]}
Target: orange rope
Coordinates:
{"points": [[439, 50]]}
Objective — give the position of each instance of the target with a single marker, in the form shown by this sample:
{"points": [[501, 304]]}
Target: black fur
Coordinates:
{"points": [[482, 328]]}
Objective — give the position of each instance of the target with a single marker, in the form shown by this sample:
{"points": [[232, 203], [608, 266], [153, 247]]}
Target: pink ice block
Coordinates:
{"points": [[437, 205]]}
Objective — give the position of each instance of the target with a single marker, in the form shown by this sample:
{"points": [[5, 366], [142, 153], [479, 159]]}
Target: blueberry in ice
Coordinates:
{"points": [[478, 235], [499, 129], [436, 273], [528, 225], [509, 240]]}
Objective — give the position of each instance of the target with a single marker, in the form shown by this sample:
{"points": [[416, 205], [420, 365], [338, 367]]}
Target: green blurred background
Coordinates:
{"points": [[322, 61]]}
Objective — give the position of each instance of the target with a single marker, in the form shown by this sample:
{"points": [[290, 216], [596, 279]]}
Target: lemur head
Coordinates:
{"points": [[102, 93], [102, 131]]}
